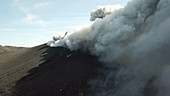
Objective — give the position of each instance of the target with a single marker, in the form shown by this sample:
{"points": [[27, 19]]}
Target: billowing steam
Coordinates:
{"points": [[103, 11], [134, 44]]}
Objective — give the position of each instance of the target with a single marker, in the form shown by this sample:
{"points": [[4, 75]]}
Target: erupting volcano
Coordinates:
{"points": [[123, 51]]}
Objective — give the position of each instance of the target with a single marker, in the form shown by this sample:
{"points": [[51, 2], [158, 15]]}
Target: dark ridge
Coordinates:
{"points": [[63, 73]]}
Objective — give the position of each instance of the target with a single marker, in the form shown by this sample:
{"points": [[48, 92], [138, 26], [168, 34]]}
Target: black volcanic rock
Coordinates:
{"points": [[45, 71]]}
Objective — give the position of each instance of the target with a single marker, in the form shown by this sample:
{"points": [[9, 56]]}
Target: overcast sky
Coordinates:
{"points": [[33, 22]]}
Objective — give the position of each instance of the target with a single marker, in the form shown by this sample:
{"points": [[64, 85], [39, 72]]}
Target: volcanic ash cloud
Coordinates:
{"points": [[135, 39]]}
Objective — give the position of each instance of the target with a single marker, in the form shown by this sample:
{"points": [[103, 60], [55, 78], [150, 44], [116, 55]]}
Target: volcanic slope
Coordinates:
{"points": [[45, 71]]}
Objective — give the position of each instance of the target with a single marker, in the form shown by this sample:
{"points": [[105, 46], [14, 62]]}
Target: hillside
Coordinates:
{"points": [[7, 49], [45, 71]]}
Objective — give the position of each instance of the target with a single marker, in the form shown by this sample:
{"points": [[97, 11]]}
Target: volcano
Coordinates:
{"points": [[45, 71], [131, 42]]}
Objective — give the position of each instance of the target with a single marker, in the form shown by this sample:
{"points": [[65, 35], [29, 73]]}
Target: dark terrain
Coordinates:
{"points": [[45, 71]]}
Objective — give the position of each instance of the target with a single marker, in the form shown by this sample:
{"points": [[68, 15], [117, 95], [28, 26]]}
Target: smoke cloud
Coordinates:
{"points": [[102, 11], [133, 42]]}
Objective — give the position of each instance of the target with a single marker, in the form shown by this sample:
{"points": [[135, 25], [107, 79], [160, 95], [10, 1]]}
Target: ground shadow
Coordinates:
{"points": [[63, 73]]}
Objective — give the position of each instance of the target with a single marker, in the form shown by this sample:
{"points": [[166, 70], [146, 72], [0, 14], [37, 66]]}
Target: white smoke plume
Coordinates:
{"points": [[134, 44], [102, 11]]}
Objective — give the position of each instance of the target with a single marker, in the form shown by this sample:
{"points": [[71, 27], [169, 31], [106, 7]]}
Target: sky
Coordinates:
{"points": [[30, 23]]}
